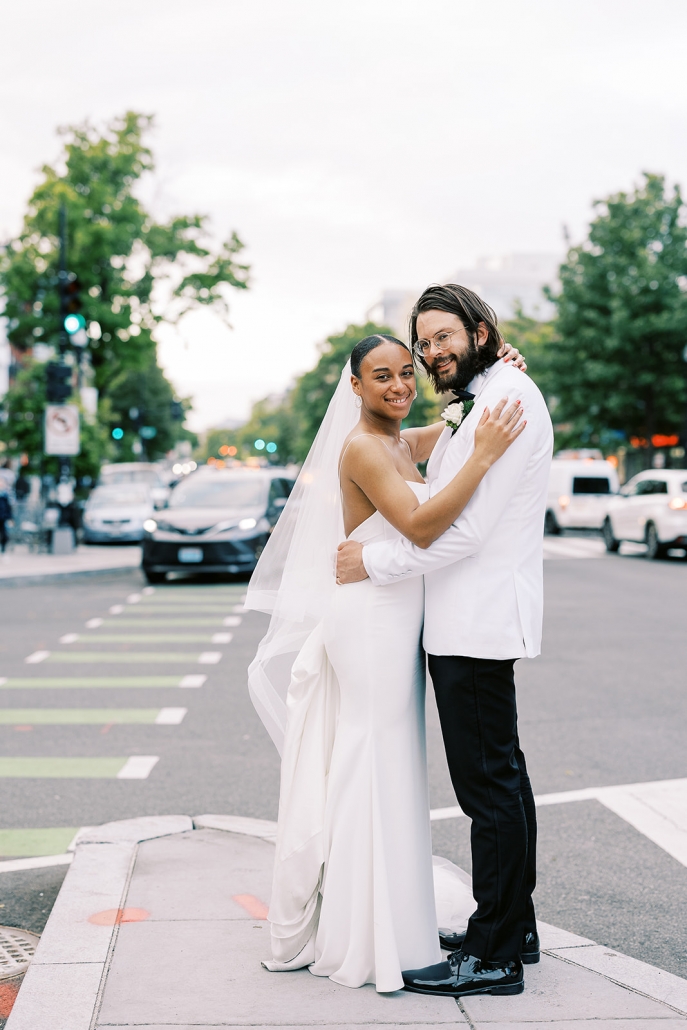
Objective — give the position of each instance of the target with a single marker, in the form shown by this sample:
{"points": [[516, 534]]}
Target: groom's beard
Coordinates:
{"points": [[463, 368]]}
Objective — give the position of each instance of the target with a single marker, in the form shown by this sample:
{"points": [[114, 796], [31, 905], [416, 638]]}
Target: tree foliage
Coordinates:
{"points": [[614, 369], [133, 272], [144, 398]]}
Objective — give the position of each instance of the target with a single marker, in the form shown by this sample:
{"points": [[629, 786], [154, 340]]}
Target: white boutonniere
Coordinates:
{"points": [[454, 414]]}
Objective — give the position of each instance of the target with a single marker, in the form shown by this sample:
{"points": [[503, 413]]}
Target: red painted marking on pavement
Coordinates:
{"points": [[107, 727], [8, 996], [115, 916], [253, 906], [22, 729]]}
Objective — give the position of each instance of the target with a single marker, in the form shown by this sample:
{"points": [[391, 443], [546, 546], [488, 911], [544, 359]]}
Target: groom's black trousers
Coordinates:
{"points": [[479, 723]]}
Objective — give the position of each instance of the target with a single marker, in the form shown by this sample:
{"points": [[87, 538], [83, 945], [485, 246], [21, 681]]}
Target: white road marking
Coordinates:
{"points": [[170, 716], [147, 591], [238, 608], [12, 865], [94, 623], [36, 657], [69, 638], [116, 609], [209, 657], [192, 681], [232, 620], [658, 810], [133, 599], [221, 638], [3, 681], [138, 767]]}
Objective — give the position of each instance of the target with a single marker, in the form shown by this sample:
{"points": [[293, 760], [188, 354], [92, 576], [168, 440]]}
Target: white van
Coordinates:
{"points": [[578, 493]]}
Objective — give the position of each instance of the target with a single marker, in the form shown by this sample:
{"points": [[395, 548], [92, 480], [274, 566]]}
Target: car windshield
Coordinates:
{"points": [[116, 476], [215, 491], [591, 485], [114, 496]]}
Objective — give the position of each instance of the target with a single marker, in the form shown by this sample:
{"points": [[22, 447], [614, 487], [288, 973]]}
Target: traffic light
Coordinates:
{"points": [[177, 411], [59, 386]]}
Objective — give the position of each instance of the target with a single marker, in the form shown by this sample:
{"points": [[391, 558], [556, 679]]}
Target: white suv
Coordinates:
{"points": [[651, 508]]}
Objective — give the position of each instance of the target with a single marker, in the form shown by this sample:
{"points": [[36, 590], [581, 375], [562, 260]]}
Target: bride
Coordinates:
{"points": [[339, 681]]}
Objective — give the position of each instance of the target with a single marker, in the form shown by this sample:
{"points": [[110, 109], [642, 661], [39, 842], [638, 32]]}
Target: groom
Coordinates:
{"points": [[483, 610]]}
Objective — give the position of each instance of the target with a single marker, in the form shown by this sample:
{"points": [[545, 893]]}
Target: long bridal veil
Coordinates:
{"points": [[294, 578]]}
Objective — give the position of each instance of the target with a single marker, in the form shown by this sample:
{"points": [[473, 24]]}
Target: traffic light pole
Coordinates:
{"points": [[65, 462]]}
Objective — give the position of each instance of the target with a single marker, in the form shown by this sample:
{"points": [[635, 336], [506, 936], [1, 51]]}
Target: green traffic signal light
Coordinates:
{"points": [[117, 433], [74, 322]]}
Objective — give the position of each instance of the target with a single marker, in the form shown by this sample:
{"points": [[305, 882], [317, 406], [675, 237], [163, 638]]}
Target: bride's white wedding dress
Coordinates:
{"points": [[357, 729]]}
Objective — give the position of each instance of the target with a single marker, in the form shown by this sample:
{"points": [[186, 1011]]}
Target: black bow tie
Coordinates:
{"points": [[463, 395]]}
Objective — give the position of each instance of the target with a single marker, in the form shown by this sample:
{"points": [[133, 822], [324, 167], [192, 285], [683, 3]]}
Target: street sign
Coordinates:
{"points": [[62, 429]]}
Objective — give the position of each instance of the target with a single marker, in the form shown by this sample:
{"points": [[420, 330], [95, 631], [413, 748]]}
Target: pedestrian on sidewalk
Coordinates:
{"points": [[6, 516]]}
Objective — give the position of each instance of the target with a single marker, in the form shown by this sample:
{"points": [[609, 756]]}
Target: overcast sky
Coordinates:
{"points": [[354, 146]]}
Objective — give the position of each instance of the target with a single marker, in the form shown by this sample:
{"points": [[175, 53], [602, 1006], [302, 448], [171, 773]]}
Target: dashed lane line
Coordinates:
{"points": [[135, 767], [97, 682], [90, 716]]}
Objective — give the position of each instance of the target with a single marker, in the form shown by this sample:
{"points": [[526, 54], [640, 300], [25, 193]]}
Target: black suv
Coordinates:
{"points": [[216, 520]]}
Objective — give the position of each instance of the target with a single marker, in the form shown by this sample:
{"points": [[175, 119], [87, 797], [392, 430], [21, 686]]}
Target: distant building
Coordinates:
{"points": [[504, 282]]}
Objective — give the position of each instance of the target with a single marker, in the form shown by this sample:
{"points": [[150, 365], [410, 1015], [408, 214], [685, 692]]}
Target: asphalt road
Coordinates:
{"points": [[606, 704]]}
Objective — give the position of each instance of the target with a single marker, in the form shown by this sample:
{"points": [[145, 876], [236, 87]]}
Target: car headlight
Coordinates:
{"points": [[150, 525], [247, 524]]}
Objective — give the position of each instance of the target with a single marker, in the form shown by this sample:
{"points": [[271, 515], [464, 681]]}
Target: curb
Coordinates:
{"points": [[71, 964]]}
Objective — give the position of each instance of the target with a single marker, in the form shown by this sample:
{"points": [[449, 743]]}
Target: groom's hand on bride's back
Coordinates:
{"points": [[349, 562]]}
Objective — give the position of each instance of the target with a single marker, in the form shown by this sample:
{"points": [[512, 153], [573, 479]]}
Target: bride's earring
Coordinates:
{"points": [[358, 402]]}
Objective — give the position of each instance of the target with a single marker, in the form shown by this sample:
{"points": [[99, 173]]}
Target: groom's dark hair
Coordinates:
{"points": [[470, 309]]}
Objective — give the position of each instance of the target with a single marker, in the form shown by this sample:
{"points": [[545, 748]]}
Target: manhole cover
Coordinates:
{"points": [[16, 950]]}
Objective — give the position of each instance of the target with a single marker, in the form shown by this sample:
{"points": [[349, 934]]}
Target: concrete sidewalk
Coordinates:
{"points": [[160, 923], [20, 564]]}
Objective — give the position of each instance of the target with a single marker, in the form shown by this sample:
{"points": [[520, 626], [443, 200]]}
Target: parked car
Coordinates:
{"points": [[578, 493], [117, 512], [144, 472], [216, 520], [652, 509]]}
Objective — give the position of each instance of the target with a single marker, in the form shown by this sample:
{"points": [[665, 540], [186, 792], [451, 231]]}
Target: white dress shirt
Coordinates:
{"points": [[483, 577]]}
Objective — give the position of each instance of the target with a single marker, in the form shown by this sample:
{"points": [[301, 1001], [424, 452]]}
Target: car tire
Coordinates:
{"points": [[610, 541], [154, 577], [551, 527], [654, 548]]}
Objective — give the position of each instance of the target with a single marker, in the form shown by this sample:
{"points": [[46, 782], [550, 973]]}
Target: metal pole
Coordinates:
{"points": [[62, 280]]}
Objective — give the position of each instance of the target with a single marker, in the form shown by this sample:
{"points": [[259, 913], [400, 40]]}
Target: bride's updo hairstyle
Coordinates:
{"points": [[370, 343]]}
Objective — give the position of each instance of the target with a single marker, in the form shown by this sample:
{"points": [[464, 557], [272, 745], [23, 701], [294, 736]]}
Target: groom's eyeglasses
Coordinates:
{"points": [[440, 341]]}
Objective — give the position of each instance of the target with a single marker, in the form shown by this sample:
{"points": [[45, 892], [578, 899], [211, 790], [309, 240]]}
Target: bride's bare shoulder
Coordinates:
{"points": [[366, 447]]}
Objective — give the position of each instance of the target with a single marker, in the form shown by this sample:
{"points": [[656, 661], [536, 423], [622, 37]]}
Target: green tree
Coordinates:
{"points": [[133, 272], [615, 368], [144, 399]]}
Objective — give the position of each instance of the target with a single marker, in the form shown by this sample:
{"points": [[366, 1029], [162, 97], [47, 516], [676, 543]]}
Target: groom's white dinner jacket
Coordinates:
{"points": [[483, 577]]}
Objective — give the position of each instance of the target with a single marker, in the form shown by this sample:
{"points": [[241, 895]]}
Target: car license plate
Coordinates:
{"points": [[190, 554]]}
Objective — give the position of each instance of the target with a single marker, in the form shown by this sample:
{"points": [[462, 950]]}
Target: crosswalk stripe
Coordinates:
{"points": [[115, 657], [99, 682], [145, 638], [61, 768], [138, 767], [50, 840], [179, 609], [162, 622], [657, 809], [88, 716]]}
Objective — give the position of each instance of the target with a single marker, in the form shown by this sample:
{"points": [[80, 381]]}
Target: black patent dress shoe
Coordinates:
{"points": [[461, 975], [530, 944]]}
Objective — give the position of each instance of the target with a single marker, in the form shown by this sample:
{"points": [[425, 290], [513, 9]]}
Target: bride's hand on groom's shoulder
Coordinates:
{"points": [[349, 562]]}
